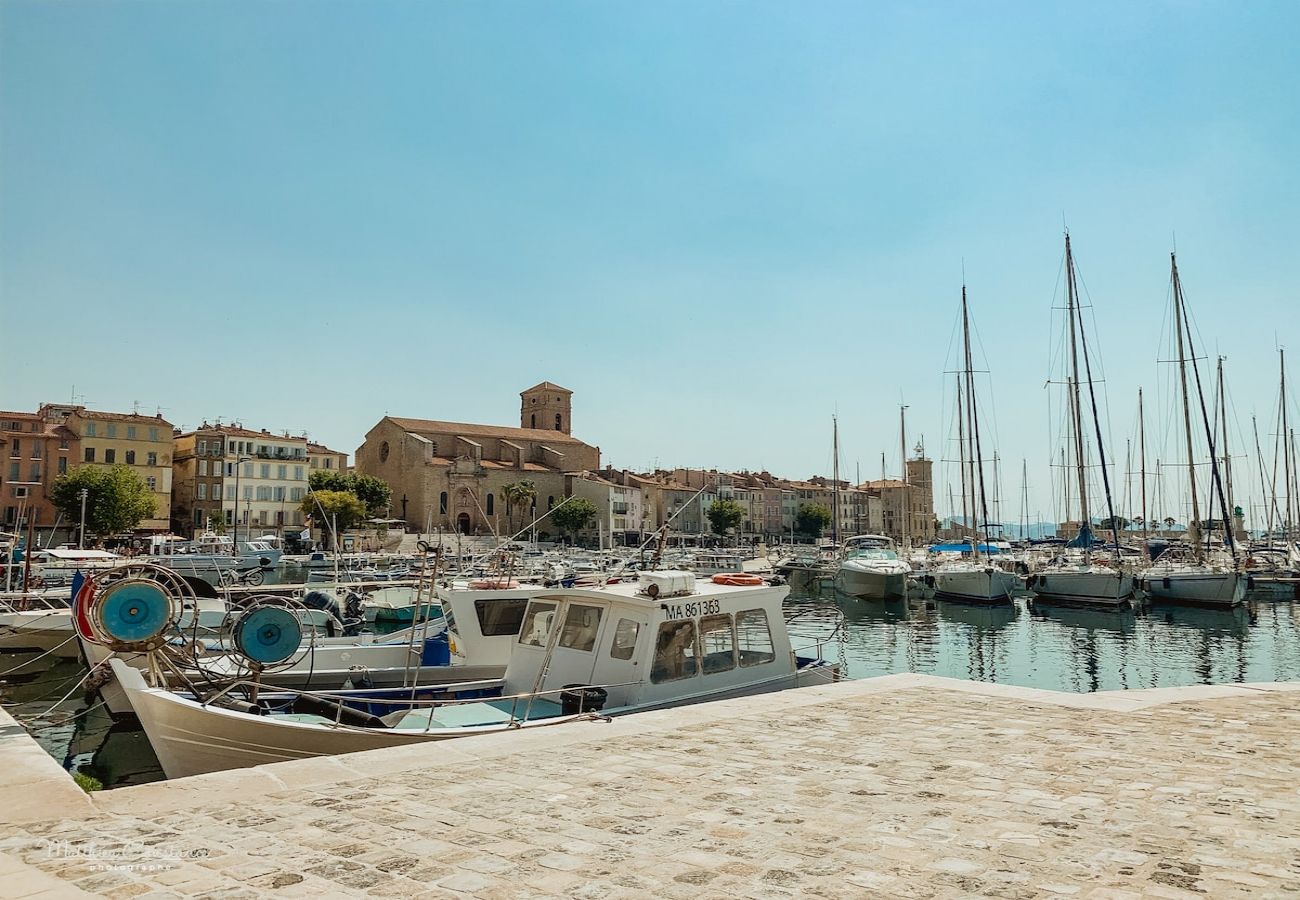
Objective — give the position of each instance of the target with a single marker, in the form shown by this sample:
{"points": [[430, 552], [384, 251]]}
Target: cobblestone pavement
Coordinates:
{"points": [[900, 787]]}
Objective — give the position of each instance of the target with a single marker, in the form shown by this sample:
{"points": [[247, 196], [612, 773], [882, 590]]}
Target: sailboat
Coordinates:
{"points": [[1079, 576], [972, 579], [1202, 580]]}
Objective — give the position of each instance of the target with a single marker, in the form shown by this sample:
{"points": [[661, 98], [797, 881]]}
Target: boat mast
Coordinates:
{"points": [[835, 479], [961, 465], [907, 494], [1228, 517], [1195, 524], [1142, 467], [1286, 456], [1076, 420], [1271, 505], [1024, 497], [973, 433]]}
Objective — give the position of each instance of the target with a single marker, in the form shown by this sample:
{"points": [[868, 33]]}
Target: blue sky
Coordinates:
{"points": [[718, 223]]}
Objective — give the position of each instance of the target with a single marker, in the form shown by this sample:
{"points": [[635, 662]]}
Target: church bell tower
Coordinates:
{"points": [[546, 406]]}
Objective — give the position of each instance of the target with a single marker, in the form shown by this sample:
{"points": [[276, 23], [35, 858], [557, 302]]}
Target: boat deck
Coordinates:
{"points": [[906, 785]]}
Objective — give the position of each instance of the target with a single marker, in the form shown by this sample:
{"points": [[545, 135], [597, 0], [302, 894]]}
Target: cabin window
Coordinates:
{"points": [[718, 644], [754, 638], [580, 626], [498, 617], [675, 652], [537, 624], [625, 639]]}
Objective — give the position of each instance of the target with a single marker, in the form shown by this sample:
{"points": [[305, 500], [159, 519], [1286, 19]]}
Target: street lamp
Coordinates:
{"points": [[234, 544]]}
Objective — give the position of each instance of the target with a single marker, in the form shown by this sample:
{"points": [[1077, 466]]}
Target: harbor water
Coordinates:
{"points": [[1024, 643]]}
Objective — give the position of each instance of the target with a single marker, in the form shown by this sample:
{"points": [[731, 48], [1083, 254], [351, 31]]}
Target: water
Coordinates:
{"points": [[1057, 648]]}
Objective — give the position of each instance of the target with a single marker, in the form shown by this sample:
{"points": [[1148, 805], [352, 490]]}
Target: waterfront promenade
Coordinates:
{"points": [[906, 785]]}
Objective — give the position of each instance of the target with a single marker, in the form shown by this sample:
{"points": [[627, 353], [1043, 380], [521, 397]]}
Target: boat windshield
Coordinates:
{"points": [[870, 553]]}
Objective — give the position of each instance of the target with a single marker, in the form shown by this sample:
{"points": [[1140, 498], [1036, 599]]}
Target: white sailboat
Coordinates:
{"points": [[1079, 576], [1202, 580], [973, 579]]}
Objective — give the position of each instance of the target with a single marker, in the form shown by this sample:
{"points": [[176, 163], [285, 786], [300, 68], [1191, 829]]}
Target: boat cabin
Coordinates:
{"points": [[666, 639]]}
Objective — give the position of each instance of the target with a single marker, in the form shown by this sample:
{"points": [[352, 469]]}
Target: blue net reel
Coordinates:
{"points": [[267, 634], [135, 612]]}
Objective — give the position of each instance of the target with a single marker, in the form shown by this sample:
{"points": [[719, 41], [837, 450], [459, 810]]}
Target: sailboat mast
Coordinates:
{"points": [[1024, 497], [1195, 524], [961, 454], [1076, 421], [1227, 458], [1142, 466], [1271, 503], [980, 502], [1286, 456], [907, 494], [835, 479]]}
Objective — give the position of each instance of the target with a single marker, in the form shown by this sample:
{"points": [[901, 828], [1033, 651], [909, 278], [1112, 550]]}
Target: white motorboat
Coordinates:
{"points": [[665, 641], [871, 569]]}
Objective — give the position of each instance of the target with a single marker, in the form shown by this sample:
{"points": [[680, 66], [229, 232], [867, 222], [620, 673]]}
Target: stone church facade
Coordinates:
{"points": [[452, 475]]}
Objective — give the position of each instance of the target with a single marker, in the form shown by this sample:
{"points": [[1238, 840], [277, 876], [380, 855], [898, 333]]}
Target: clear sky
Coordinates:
{"points": [[717, 223]]}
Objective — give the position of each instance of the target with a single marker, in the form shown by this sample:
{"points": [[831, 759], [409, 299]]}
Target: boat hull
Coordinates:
{"points": [[1084, 587], [869, 585], [39, 631], [1197, 588], [986, 585]]}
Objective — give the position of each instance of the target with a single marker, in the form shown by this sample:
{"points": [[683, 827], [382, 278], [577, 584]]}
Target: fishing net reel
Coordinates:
{"points": [[137, 607]]}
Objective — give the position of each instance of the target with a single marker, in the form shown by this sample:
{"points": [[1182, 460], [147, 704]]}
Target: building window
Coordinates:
{"points": [[297, 473], [90, 454], [63, 465], [15, 449], [63, 443], [490, 504], [36, 450], [532, 420], [153, 434], [559, 420], [110, 455], [282, 472], [36, 472], [112, 430], [203, 448], [151, 459], [442, 504], [91, 429], [329, 462], [130, 432], [130, 457], [550, 503], [203, 467], [152, 482], [265, 470], [202, 491]]}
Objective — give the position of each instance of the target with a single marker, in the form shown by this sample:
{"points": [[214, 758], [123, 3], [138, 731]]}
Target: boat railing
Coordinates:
{"points": [[411, 702], [25, 601]]}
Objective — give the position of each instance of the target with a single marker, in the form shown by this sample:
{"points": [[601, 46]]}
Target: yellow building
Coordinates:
{"points": [[145, 443]]}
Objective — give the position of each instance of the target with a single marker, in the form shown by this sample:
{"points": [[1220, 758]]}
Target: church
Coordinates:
{"points": [[453, 475]]}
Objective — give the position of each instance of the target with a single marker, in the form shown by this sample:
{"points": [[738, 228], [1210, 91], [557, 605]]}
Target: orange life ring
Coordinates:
{"points": [[737, 579]]}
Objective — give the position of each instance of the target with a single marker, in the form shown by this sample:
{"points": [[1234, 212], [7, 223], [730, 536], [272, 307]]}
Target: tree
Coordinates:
{"points": [[725, 515], [335, 511], [574, 515], [371, 491], [812, 519], [519, 496], [117, 499]]}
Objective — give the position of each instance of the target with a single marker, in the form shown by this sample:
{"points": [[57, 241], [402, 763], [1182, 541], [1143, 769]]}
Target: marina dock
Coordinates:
{"points": [[905, 785]]}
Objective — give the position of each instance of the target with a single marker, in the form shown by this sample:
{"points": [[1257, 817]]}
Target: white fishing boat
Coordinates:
{"points": [[870, 568], [664, 641]]}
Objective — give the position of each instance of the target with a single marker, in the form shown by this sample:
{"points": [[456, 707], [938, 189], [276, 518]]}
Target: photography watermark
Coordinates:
{"points": [[133, 856]]}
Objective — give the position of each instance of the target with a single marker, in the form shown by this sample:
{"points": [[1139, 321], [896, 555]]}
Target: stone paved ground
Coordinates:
{"points": [[906, 787]]}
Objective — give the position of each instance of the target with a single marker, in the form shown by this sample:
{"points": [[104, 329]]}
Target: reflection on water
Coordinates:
{"points": [[1063, 648], [1024, 642]]}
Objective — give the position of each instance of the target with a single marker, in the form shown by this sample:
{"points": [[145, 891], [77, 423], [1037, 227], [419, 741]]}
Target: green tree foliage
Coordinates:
{"points": [[575, 515], [333, 510], [371, 491], [519, 497], [117, 499], [811, 520], [725, 515]]}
